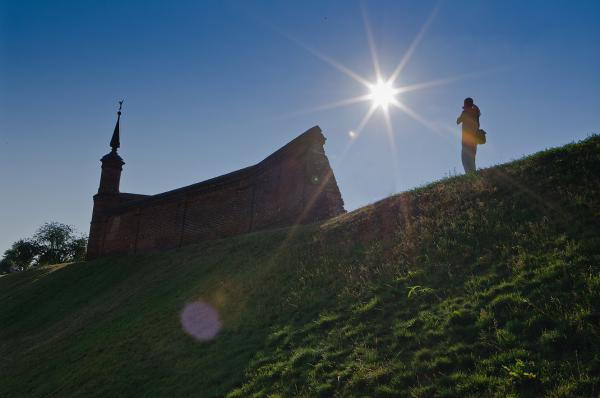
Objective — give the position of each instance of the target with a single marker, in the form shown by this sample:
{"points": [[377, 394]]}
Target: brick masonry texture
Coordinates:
{"points": [[294, 185]]}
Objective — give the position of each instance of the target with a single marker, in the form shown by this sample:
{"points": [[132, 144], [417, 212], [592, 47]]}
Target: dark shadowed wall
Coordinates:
{"points": [[294, 185]]}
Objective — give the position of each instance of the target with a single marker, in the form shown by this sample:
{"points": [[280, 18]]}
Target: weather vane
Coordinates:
{"points": [[120, 105]]}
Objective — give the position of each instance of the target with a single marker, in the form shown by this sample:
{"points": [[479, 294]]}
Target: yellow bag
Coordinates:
{"points": [[480, 138]]}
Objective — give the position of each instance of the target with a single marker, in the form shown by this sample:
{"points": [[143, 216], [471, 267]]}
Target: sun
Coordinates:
{"points": [[383, 93]]}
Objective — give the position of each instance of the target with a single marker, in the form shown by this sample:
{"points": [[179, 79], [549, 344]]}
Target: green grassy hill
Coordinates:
{"points": [[480, 285]]}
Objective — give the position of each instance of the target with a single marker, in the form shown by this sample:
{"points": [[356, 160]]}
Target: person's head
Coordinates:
{"points": [[468, 102]]}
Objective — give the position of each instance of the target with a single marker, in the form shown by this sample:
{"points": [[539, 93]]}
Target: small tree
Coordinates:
{"points": [[57, 243], [78, 248], [20, 256], [52, 243]]}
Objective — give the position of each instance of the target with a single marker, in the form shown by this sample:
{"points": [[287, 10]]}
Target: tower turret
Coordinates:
{"points": [[112, 163], [108, 191]]}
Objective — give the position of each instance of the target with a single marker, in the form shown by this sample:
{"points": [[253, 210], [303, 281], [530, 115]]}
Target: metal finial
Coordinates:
{"points": [[115, 141]]}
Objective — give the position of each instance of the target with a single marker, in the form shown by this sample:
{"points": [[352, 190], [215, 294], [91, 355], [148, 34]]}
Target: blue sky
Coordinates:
{"points": [[211, 87]]}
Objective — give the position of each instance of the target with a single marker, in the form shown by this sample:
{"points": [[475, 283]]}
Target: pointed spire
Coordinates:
{"points": [[115, 141]]}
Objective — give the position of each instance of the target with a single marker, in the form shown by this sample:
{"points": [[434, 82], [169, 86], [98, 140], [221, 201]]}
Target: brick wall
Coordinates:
{"points": [[294, 185]]}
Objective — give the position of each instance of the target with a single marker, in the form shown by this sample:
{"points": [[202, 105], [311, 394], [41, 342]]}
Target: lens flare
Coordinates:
{"points": [[200, 320]]}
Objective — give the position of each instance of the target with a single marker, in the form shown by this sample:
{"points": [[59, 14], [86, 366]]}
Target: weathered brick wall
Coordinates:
{"points": [[295, 185]]}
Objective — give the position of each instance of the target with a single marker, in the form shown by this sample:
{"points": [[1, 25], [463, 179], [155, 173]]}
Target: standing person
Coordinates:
{"points": [[470, 124]]}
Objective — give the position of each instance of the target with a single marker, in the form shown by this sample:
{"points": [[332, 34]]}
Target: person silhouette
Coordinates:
{"points": [[470, 125]]}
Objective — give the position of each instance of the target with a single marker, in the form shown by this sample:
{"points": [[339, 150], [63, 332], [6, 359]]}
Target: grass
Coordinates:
{"points": [[478, 285]]}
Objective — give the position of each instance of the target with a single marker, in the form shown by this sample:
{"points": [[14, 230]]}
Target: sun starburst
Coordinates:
{"points": [[383, 93]]}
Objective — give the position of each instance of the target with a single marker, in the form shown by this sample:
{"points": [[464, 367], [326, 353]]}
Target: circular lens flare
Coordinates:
{"points": [[382, 93], [200, 320]]}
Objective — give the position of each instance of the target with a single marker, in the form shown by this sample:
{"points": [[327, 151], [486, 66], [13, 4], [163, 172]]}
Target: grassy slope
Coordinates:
{"points": [[476, 285]]}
